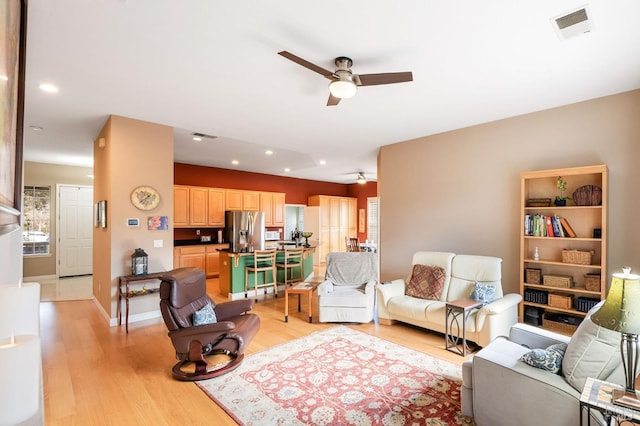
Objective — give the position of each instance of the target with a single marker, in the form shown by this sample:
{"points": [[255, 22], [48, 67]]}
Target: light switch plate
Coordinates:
{"points": [[158, 243]]}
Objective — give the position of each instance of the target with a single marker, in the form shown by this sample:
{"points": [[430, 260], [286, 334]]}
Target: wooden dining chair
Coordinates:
{"points": [[352, 244]]}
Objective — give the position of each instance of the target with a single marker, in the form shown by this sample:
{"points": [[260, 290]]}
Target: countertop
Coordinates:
{"points": [[180, 243], [250, 253]]}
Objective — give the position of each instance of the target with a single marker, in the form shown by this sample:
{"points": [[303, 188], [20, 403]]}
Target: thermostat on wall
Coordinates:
{"points": [[133, 221]]}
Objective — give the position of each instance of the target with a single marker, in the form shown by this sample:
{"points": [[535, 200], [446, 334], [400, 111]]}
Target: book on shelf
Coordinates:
{"points": [[547, 220], [568, 230], [538, 225], [557, 227]]}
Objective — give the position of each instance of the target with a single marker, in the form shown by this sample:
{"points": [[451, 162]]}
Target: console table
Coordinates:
{"points": [[125, 293]]}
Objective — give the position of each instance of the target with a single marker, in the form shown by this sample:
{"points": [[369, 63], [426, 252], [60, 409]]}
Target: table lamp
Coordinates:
{"points": [[621, 312]]}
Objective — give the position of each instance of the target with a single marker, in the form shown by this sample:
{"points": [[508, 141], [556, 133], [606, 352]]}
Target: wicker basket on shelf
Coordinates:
{"points": [[577, 257], [592, 282], [563, 281]]}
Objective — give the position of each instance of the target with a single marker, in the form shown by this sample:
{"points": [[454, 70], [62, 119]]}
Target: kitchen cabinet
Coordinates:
{"points": [[205, 257], [336, 220], [198, 202], [215, 208], [232, 199], [180, 206], [201, 207], [279, 211], [272, 204], [212, 260], [189, 256], [236, 199], [266, 206]]}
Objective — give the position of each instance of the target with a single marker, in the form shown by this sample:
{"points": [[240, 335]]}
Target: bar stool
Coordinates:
{"points": [[263, 261], [292, 261]]}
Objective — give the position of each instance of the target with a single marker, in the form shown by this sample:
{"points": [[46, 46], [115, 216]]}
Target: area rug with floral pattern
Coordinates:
{"points": [[340, 376]]}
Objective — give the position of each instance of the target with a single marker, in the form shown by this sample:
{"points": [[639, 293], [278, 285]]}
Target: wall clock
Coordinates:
{"points": [[145, 198]]}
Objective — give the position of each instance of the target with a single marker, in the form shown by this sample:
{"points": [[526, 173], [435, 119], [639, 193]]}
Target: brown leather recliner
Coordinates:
{"points": [[183, 292]]}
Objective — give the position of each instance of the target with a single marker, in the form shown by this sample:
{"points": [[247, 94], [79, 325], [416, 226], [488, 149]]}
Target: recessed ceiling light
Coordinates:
{"points": [[322, 162], [287, 170], [268, 152], [49, 88], [36, 128], [235, 162], [197, 138]]}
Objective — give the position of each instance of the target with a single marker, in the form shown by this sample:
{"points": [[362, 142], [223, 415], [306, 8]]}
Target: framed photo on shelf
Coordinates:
{"points": [[12, 70]]}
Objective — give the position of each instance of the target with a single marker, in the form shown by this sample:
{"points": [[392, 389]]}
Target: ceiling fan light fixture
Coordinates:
{"points": [[361, 179], [343, 89]]}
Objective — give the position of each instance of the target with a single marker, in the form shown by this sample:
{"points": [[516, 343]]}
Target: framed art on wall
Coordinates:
{"points": [[12, 50]]}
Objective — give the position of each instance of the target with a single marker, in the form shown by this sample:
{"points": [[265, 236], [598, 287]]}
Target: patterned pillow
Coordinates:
{"points": [[549, 359], [206, 315], [426, 282], [483, 293]]}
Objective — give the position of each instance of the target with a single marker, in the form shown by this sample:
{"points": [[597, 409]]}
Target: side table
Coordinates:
{"points": [[458, 311], [597, 395], [125, 293], [299, 289]]}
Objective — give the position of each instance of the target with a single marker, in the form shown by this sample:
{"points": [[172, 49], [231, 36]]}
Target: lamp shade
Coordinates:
{"points": [[621, 309]]}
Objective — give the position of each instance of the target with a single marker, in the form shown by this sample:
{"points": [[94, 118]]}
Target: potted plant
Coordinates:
{"points": [[561, 200]]}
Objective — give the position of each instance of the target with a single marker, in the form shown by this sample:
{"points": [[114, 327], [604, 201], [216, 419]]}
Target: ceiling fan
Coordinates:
{"points": [[344, 82]]}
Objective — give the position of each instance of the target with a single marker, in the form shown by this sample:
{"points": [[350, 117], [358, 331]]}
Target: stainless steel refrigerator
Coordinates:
{"points": [[244, 230]]}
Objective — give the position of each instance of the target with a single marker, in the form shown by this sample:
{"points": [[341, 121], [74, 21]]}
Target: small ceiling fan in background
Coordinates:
{"points": [[343, 81]]}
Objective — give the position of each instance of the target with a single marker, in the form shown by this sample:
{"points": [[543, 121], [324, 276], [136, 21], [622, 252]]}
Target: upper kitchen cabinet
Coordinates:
{"points": [[272, 204], [180, 206], [198, 202], [336, 220], [199, 206], [279, 210], [236, 199], [216, 207]]}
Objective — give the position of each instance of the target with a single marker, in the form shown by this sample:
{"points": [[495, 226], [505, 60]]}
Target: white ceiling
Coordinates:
{"points": [[212, 66]]}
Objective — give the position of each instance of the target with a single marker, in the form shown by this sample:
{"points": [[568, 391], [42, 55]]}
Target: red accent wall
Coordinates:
{"points": [[297, 190]]}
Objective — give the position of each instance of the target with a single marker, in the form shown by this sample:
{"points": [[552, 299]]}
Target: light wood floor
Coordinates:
{"points": [[97, 375]]}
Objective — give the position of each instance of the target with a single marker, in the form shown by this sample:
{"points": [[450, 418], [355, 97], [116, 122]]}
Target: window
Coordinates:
{"points": [[372, 219], [36, 220]]}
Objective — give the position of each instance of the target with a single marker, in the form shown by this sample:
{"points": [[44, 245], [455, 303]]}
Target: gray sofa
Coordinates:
{"points": [[499, 389]]}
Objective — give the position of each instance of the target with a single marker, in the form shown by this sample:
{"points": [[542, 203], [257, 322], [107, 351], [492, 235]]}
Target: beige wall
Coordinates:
{"points": [[51, 175], [135, 153], [459, 191]]}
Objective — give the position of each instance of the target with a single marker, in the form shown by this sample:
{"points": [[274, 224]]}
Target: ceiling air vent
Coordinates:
{"points": [[200, 136], [574, 23]]}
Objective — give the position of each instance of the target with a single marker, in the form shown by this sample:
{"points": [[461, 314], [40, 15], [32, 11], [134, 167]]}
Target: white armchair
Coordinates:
{"points": [[348, 292]]}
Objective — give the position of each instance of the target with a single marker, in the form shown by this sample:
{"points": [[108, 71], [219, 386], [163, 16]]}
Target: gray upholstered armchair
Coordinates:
{"points": [[348, 292]]}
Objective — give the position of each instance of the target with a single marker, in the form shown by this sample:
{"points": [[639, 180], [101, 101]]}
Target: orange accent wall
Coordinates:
{"points": [[297, 190]]}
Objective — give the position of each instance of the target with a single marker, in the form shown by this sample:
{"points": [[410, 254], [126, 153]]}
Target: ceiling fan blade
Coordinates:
{"points": [[313, 67], [384, 78], [332, 101]]}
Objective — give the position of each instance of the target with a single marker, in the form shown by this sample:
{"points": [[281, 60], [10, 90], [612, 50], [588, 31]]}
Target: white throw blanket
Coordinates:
{"points": [[352, 268]]}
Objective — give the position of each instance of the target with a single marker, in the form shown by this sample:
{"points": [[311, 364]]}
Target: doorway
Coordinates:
{"points": [[75, 230]]}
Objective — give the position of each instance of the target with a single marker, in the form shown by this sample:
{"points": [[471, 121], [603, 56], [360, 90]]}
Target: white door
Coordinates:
{"points": [[75, 230]]}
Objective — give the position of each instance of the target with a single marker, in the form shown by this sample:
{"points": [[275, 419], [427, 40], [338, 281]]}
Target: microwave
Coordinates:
{"points": [[271, 235]]}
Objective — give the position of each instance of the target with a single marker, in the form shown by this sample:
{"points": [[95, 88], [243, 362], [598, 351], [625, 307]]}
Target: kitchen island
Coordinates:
{"points": [[232, 267]]}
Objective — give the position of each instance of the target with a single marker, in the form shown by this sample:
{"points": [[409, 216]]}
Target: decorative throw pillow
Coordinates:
{"points": [[593, 351], [549, 359], [206, 315], [483, 293], [426, 282]]}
